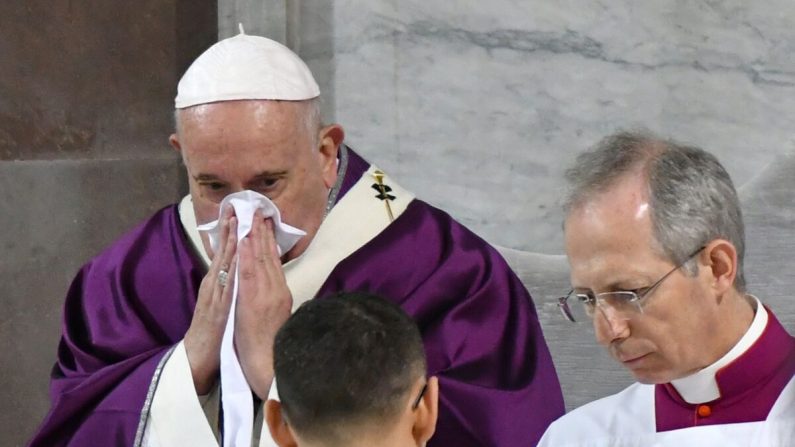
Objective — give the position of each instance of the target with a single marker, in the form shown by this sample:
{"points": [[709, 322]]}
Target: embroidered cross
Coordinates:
{"points": [[383, 192]]}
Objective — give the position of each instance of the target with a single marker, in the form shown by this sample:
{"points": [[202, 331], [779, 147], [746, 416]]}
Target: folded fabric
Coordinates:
{"points": [[245, 204]]}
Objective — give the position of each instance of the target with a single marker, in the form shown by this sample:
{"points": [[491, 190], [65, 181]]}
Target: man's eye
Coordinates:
{"points": [[640, 292], [586, 298], [215, 186], [270, 183]]}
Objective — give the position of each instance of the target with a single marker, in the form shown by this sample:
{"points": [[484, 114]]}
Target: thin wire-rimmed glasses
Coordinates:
{"points": [[419, 397], [625, 303]]}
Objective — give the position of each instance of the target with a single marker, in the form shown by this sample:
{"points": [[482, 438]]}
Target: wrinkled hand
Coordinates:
{"points": [[203, 339], [263, 305]]}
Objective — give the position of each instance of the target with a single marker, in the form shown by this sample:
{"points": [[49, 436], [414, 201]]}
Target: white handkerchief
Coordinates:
{"points": [[236, 396], [245, 204]]}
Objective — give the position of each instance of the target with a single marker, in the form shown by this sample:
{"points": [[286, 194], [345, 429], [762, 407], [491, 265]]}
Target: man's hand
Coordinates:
{"points": [[264, 303], [203, 339]]}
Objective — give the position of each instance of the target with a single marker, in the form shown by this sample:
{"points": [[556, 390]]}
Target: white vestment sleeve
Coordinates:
{"points": [[177, 416]]}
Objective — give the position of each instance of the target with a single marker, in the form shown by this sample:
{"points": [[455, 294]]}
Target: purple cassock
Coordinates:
{"points": [[131, 304], [749, 386]]}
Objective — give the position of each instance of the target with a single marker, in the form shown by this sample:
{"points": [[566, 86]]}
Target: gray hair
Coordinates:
{"points": [[312, 118], [692, 198]]}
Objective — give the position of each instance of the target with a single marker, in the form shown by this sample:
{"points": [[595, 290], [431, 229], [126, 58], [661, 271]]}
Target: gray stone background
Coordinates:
{"points": [[475, 106]]}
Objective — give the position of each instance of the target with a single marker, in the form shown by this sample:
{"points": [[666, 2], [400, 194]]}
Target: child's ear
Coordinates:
{"points": [[280, 431], [426, 413]]}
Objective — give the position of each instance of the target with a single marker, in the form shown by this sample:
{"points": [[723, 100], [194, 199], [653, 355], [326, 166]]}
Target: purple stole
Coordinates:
{"points": [[131, 304], [749, 386]]}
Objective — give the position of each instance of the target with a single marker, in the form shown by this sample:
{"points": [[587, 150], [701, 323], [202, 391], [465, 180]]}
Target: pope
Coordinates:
{"points": [[139, 362]]}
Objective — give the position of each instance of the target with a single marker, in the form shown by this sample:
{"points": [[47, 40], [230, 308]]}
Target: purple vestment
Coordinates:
{"points": [[749, 386], [133, 302]]}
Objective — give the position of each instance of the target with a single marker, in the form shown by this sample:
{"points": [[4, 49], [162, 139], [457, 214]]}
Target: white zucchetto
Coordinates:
{"points": [[246, 67]]}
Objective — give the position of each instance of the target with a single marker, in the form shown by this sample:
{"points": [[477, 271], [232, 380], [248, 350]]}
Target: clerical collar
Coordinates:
{"points": [[702, 386]]}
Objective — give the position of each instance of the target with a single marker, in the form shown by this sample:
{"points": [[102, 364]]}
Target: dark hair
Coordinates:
{"points": [[345, 360], [692, 198]]}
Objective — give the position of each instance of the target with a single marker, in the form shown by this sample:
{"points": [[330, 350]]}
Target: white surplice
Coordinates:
{"points": [[628, 418]]}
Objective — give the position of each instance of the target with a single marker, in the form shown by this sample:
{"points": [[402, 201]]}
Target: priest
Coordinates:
{"points": [[139, 358], [655, 240]]}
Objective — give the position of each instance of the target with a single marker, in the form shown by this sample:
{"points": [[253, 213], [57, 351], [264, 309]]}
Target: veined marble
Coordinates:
{"points": [[478, 107]]}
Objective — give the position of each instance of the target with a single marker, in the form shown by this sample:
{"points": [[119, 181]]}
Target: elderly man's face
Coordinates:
{"points": [[264, 146], [610, 246]]}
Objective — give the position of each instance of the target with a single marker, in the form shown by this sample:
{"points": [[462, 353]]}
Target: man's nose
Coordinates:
{"points": [[610, 324]]}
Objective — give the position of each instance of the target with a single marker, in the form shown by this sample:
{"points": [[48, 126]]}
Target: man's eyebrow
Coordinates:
{"points": [[205, 177], [261, 175], [619, 284], [270, 174]]}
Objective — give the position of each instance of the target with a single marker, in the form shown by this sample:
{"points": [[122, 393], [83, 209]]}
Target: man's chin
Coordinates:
{"points": [[644, 371], [646, 380], [650, 377]]}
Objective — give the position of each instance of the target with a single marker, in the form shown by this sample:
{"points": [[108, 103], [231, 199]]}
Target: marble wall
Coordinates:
{"points": [[479, 106]]}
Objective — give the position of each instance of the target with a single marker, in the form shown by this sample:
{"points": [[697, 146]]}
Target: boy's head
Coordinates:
{"points": [[350, 371]]}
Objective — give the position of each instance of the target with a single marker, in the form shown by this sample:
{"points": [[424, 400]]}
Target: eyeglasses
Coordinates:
{"points": [[419, 397], [624, 303]]}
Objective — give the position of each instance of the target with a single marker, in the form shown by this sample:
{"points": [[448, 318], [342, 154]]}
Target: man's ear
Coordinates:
{"points": [[280, 431], [426, 413], [330, 138], [174, 141], [720, 257]]}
